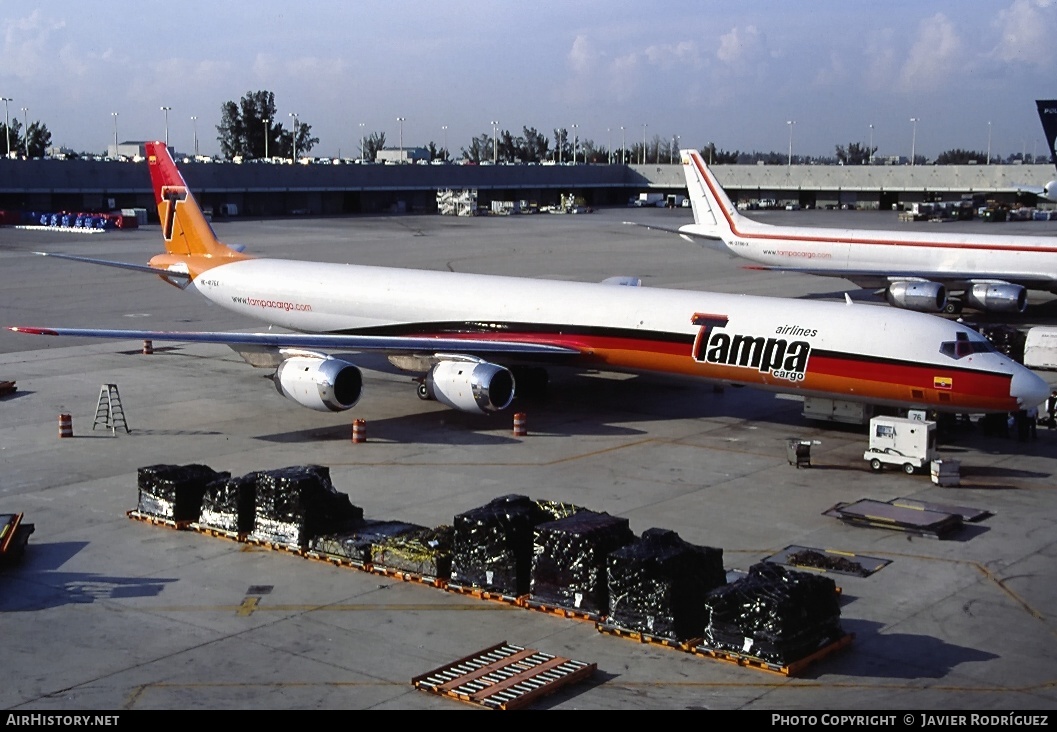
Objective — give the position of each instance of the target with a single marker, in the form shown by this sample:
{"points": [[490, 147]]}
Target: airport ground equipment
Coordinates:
{"points": [[14, 535], [505, 676], [798, 452], [909, 443], [900, 515], [828, 560], [824, 409], [1040, 347], [108, 410], [946, 473]]}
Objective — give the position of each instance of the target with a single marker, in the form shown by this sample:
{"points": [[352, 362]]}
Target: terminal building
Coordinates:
{"points": [[263, 189]]}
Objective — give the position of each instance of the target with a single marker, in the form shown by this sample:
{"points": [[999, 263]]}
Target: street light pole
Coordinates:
{"points": [[194, 123], [361, 141], [293, 138], [561, 135], [870, 151], [671, 154], [114, 115], [643, 143], [7, 124], [166, 111], [401, 121], [495, 142], [25, 126], [623, 148], [914, 141], [988, 143], [576, 141], [267, 134], [444, 129], [791, 123], [610, 131]]}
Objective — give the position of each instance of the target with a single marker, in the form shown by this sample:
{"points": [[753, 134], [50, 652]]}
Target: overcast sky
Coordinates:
{"points": [[732, 73]]}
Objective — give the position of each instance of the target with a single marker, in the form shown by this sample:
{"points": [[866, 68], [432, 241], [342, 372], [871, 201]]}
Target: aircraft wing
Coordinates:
{"points": [[1047, 192], [711, 240], [387, 344], [678, 232], [875, 278], [1025, 188], [120, 265]]}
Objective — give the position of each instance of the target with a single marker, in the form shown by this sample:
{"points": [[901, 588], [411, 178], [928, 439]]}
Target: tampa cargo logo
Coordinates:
{"points": [[782, 358]]}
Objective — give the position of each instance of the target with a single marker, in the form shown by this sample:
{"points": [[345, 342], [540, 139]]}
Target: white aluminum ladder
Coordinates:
{"points": [[108, 410]]}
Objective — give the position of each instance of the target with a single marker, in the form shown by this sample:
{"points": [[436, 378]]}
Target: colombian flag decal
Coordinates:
{"points": [[942, 382]]}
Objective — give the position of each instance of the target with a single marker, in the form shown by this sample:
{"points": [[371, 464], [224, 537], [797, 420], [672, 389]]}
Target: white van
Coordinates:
{"points": [[909, 443]]}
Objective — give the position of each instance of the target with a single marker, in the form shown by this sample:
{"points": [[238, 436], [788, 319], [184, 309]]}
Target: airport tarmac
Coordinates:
{"points": [[105, 612]]}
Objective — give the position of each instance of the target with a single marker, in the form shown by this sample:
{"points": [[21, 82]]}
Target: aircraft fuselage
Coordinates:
{"points": [[776, 344]]}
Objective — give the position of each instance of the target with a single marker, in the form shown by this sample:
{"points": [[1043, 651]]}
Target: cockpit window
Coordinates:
{"points": [[963, 346]]}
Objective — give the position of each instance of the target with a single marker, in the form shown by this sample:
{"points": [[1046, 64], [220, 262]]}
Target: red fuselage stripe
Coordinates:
{"points": [[827, 370]]}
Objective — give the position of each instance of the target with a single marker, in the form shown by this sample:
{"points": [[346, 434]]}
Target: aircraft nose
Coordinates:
{"points": [[1028, 388]]}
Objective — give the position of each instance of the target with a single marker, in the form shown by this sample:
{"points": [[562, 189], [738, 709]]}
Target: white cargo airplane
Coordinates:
{"points": [[465, 335], [925, 271]]}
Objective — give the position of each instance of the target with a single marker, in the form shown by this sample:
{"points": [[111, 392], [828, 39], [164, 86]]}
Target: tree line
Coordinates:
{"points": [[31, 142], [250, 129], [244, 127]]}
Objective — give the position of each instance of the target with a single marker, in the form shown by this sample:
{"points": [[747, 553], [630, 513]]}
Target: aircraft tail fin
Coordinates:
{"points": [[713, 209], [184, 227], [1048, 117]]}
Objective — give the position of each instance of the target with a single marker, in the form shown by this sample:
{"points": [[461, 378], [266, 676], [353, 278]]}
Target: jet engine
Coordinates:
{"points": [[474, 386], [997, 297], [322, 384], [920, 295]]}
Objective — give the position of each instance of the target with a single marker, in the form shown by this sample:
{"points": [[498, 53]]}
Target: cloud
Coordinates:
{"points": [[1026, 30], [668, 56], [582, 57], [739, 45], [27, 50], [33, 50], [935, 56], [582, 76], [590, 75], [205, 72], [319, 71], [302, 77], [881, 60], [835, 72]]}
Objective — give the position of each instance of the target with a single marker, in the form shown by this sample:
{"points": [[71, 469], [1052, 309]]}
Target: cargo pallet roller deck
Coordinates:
{"points": [[504, 676], [14, 535]]}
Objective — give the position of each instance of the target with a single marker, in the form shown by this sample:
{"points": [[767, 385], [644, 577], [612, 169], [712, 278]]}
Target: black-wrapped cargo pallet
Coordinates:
{"points": [[230, 506], [492, 546], [658, 584], [777, 615], [174, 492], [296, 504], [425, 552], [356, 543], [569, 560], [773, 619]]}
